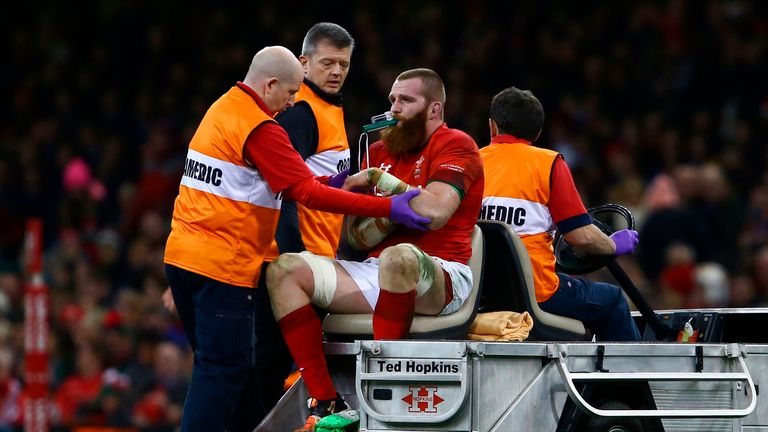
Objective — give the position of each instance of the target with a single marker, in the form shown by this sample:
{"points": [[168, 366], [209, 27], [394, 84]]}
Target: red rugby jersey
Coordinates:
{"points": [[451, 156]]}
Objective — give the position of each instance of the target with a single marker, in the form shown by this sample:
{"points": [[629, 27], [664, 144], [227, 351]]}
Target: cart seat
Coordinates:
{"points": [[508, 285], [340, 327]]}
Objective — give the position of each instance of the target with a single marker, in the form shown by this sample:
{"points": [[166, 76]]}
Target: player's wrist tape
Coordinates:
{"points": [[386, 182]]}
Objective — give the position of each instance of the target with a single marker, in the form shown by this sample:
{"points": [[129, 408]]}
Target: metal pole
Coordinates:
{"points": [[662, 330]]}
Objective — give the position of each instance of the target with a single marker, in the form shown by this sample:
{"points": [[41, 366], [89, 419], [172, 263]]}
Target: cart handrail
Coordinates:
{"points": [[569, 379]]}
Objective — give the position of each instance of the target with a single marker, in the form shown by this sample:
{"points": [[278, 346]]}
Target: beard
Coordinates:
{"points": [[408, 135]]}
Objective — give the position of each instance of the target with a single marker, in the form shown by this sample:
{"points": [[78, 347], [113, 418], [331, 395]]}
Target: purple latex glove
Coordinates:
{"points": [[625, 241], [402, 213], [337, 180]]}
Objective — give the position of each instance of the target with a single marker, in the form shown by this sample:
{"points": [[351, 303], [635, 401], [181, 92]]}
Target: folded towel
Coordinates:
{"points": [[501, 326]]}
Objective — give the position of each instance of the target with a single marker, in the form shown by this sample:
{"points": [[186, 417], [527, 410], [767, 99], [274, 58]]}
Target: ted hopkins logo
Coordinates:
{"points": [[412, 366], [422, 399]]}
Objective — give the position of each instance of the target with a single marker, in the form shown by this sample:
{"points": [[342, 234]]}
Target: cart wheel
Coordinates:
{"points": [[603, 424]]}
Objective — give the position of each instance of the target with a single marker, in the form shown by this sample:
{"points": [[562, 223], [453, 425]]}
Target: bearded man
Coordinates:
{"points": [[408, 270]]}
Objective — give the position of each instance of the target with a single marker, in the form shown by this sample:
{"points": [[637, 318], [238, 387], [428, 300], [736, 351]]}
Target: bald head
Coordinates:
{"points": [[273, 61], [275, 75]]}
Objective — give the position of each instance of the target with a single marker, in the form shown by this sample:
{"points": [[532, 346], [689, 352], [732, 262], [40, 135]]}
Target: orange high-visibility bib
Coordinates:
{"points": [[517, 190], [320, 231], [225, 216]]}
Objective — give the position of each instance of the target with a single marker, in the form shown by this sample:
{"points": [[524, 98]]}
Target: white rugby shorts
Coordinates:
{"points": [[366, 276]]}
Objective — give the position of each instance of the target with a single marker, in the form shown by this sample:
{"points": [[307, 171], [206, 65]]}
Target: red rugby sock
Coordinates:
{"points": [[304, 336], [393, 315]]}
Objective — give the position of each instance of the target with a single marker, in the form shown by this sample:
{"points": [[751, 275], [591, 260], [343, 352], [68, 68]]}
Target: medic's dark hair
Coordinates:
{"points": [[518, 113]]}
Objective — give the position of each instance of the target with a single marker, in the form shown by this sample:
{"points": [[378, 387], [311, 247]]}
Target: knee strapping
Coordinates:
{"points": [[426, 269], [324, 276]]}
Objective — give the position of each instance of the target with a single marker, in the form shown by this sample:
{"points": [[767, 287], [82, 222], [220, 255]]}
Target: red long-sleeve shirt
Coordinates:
{"points": [[269, 149]]}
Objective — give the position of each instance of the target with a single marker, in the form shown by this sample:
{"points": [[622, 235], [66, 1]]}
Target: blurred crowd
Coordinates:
{"points": [[658, 105]]}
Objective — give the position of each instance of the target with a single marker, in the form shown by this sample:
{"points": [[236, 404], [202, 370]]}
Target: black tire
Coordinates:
{"points": [[603, 424]]}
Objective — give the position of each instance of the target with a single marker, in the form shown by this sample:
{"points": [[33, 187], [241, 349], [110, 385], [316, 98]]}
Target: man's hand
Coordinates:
{"points": [[338, 180], [357, 182], [168, 302], [402, 213], [625, 241]]}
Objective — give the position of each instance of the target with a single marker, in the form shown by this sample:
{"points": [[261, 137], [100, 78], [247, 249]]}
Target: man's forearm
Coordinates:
{"points": [[314, 195], [363, 233], [589, 239], [374, 177]]}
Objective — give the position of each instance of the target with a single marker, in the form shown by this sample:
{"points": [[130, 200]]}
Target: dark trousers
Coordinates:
{"points": [[241, 360], [600, 306]]}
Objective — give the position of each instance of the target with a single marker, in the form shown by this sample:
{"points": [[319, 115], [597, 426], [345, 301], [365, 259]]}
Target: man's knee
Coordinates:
{"points": [[616, 292], [281, 270], [618, 301], [399, 258], [314, 275], [400, 266], [405, 264]]}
